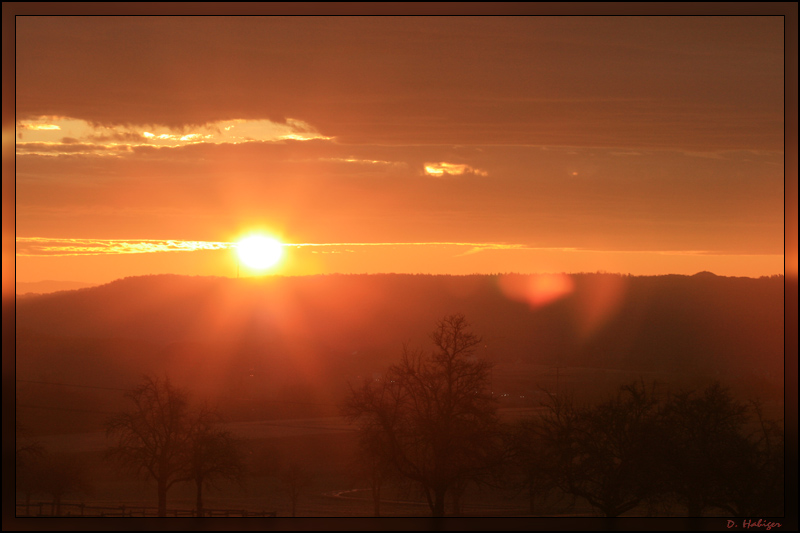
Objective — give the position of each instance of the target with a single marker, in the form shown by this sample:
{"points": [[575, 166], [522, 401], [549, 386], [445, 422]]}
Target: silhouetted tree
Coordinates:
{"points": [[715, 458], [25, 447], [295, 478], [531, 464], [703, 449], [28, 456], [434, 413], [373, 464], [759, 487], [27, 481], [154, 437], [59, 475], [604, 453], [213, 454]]}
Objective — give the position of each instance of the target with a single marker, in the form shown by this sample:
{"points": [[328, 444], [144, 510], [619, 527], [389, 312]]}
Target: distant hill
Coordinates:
{"points": [[43, 287], [705, 273], [276, 340]]}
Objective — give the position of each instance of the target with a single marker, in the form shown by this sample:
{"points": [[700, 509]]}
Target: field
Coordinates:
{"points": [[325, 446]]}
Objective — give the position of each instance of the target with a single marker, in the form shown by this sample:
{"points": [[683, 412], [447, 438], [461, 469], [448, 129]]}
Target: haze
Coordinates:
{"points": [[443, 145]]}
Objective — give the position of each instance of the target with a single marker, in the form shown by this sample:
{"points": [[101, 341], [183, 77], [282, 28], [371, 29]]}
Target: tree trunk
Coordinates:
{"points": [[457, 493], [200, 510], [162, 497], [438, 503], [531, 497], [431, 506], [376, 497]]}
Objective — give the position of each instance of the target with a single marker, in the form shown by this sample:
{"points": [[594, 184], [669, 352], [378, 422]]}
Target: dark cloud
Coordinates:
{"points": [[703, 82]]}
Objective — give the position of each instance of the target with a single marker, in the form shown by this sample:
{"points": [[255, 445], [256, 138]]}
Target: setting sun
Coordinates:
{"points": [[259, 252], [271, 252]]}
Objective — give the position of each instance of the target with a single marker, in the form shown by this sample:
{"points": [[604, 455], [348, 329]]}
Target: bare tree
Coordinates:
{"points": [[213, 454], [28, 455], [373, 464], [296, 478], [154, 437], [531, 465], [433, 412], [720, 457], [702, 449], [59, 475], [604, 454], [39, 472], [764, 470], [25, 448]]}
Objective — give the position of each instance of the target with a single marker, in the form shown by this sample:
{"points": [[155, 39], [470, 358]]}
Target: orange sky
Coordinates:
{"points": [[643, 145]]}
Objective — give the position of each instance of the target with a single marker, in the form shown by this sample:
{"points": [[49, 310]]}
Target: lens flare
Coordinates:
{"points": [[536, 290]]}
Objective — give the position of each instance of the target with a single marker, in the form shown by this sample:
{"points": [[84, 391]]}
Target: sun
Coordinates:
{"points": [[259, 252]]}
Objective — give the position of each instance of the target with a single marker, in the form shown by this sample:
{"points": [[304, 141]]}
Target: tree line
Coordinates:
{"points": [[431, 421]]}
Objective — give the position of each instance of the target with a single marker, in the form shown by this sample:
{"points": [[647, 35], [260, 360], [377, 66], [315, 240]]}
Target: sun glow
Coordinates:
{"points": [[259, 252]]}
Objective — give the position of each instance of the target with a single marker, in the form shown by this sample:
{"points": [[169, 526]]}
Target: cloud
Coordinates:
{"points": [[578, 81], [361, 161], [37, 126], [69, 146], [443, 169], [48, 135], [45, 246], [42, 246]]}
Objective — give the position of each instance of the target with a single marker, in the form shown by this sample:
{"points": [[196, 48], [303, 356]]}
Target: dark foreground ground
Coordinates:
{"points": [[324, 447]]}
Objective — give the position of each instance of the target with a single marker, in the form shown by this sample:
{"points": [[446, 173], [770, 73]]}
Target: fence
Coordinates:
{"points": [[81, 509]]}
